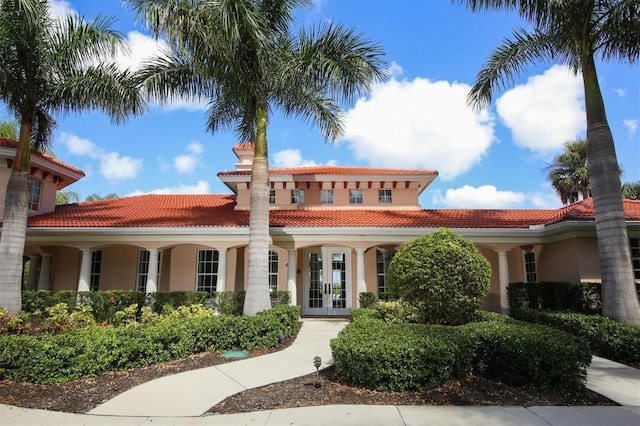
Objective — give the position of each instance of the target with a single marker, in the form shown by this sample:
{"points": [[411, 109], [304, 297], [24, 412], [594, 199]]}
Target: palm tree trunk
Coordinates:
{"points": [[619, 297], [12, 240], [257, 298]]}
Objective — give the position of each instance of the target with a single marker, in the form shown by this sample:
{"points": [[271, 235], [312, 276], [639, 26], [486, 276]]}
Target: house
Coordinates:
{"points": [[333, 232]]}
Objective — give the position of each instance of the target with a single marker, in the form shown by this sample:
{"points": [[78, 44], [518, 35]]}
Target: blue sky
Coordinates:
{"points": [[494, 158]]}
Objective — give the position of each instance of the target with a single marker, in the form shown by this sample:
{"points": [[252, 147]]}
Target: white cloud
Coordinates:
{"points": [[59, 9], [395, 70], [201, 187], [419, 124], [117, 168], [187, 163], [546, 111], [293, 158], [113, 166], [631, 125], [483, 197], [620, 92]]}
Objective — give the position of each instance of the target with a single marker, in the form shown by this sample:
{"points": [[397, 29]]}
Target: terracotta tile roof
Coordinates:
{"points": [[337, 170], [163, 211], [153, 211], [10, 143]]}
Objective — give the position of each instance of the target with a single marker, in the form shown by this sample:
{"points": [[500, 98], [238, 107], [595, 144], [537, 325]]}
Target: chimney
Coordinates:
{"points": [[244, 152]]}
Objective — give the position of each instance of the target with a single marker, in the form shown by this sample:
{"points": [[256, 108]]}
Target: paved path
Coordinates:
{"points": [[183, 398]]}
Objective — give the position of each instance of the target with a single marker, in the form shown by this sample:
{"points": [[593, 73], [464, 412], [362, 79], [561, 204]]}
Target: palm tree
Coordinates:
{"points": [[8, 129], [568, 172], [243, 57], [631, 190], [50, 67], [94, 197], [66, 197], [575, 32]]}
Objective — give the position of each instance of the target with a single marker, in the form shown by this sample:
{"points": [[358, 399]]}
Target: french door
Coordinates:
{"points": [[327, 281]]}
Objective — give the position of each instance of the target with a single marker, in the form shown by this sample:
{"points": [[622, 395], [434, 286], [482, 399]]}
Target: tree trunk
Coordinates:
{"points": [[257, 298], [12, 240], [619, 297]]}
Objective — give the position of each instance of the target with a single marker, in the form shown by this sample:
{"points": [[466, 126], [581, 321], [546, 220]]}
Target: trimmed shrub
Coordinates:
{"points": [[280, 297], [617, 341], [531, 355], [92, 351], [398, 312], [556, 295], [441, 274], [397, 357], [176, 298]]}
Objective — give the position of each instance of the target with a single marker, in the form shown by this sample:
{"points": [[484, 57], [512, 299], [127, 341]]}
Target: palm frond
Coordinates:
{"points": [[508, 61]]}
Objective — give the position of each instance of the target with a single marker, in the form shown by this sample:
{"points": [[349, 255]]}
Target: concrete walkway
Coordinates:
{"points": [[183, 398]]}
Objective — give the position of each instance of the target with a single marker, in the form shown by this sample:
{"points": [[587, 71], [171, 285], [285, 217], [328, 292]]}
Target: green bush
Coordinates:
{"points": [[531, 355], [94, 350], [367, 299], [161, 299], [280, 297], [395, 357], [617, 341], [398, 312], [441, 274], [556, 295]]}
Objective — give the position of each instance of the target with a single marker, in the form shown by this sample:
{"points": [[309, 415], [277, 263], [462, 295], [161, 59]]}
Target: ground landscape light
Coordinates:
{"points": [[317, 362]]}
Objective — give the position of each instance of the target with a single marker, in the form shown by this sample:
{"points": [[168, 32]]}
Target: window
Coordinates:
{"points": [[530, 275], [273, 270], [35, 192], [96, 265], [383, 258], [355, 196], [297, 196], [326, 196], [272, 196], [207, 270], [635, 256], [143, 270], [384, 196]]}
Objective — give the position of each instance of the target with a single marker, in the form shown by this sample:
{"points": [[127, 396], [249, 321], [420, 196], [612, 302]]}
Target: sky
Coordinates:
{"points": [[419, 118]]}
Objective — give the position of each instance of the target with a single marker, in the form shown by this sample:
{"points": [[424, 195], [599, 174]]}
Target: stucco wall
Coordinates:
{"points": [[575, 259], [119, 268], [66, 268]]}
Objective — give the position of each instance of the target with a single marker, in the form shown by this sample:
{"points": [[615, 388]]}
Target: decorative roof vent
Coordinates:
{"points": [[244, 152]]}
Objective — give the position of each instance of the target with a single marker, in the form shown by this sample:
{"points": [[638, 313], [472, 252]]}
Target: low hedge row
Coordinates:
{"points": [[105, 303], [95, 350], [395, 357], [609, 339], [556, 295]]}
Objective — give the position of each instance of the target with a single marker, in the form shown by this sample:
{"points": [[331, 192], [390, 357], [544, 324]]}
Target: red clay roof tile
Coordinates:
{"points": [[163, 211], [10, 143]]}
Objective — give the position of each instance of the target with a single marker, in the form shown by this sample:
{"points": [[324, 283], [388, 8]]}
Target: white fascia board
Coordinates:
{"points": [[135, 234]]}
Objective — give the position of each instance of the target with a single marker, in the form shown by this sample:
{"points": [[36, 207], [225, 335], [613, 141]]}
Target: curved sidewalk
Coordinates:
{"points": [[184, 397]]}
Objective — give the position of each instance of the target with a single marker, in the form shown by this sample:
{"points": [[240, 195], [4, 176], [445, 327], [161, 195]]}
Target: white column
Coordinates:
{"points": [[152, 272], [503, 272], [34, 267], [44, 280], [221, 284], [84, 283], [292, 267], [360, 279]]}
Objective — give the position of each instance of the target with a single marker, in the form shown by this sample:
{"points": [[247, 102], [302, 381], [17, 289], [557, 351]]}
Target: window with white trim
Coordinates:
{"points": [[143, 270], [383, 259], [326, 196], [529, 262], [207, 270], [35, 194], [272, 196], [96, 266], [635, 256], [273, 270], [297, 196], [384, 196], [355, 196]]}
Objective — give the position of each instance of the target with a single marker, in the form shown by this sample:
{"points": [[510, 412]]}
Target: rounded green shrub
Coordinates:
{"points": [[443, 275]]}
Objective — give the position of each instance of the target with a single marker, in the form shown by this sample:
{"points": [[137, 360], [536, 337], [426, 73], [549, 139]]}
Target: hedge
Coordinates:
{"points": [[93, 351], [556, 295], [617, 341], [397, 357]]}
